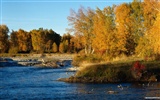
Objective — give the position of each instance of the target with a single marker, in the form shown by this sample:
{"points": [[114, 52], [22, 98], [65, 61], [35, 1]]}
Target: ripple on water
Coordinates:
{"points": [[40, 83]]}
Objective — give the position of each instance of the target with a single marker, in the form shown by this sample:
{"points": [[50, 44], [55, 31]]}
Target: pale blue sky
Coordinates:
{"points": [[50, 14]]}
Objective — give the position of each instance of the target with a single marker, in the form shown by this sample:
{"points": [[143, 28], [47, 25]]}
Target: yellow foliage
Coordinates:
{"points": [[154, 35]]}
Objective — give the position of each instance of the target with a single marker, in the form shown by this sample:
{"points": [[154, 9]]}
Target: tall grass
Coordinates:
{"points": [[80, 59], [111, 72], [119, 72]]}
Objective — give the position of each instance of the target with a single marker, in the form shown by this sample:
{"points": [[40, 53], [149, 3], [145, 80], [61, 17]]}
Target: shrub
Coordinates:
{"points": [[137, 70]]}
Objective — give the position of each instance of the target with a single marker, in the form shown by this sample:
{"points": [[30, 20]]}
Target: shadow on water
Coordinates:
{"points": [[41, 83]]}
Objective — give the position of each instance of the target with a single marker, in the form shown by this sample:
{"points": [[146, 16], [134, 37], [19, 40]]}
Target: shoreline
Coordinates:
{"points": [[38, 60], [109, 72], [114, 73], [97, 80]]}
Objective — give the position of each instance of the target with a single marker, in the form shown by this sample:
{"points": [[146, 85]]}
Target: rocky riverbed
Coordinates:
{"points": [[55, 61]]}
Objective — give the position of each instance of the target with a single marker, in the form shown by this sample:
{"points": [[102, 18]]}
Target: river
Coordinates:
{"points": [[33, 83]]}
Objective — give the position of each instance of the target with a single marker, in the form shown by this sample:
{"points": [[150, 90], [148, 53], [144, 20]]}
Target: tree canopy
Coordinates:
{"points": [[128, 28], [124, 29]]}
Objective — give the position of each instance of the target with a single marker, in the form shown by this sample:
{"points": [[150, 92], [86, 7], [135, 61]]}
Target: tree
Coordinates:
{"points": [[24, 41], [76, 43], [137, 20], [149, 13], [149, 42], [36, 40], [13, 42], [82, 26], [13, 39], [67, 37], [62, 47], [48, 46], [125, 43], [4, 44], [54, 38], [104, 27], [43, 39], [55, 47], [153, 36]]}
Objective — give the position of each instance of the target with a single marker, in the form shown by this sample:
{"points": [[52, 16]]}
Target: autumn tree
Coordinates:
{"points": [[76, 44], [24, 41], [37, 42], [67, 38], [13, 42], [125, 40], [82, 26], [153, 34], [4, 44], [55, 38], [137, 20], [149, 42], [55, 47], [48, 46], [149, 13], [13, 39], [52, 37], [43, 39], [104, 27], [62, 47]]}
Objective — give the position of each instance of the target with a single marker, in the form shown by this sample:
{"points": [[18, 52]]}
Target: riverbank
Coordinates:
{"points": [[37, 60], [115, 72]]}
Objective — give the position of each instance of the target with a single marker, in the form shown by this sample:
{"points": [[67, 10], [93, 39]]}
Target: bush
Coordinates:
{"points": [[137, 70]]}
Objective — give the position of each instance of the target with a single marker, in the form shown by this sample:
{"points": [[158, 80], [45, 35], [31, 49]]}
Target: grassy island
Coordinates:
{"points": [[128, 70]]}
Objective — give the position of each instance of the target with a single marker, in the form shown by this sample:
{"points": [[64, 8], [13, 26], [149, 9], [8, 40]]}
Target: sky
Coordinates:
{"points": [[47, 14]]}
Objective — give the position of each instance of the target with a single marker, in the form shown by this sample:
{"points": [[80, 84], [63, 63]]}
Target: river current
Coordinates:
{"points": [[33, 83]]}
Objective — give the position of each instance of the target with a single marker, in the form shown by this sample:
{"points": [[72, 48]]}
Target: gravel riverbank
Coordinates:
{"points": [[38, 60]]}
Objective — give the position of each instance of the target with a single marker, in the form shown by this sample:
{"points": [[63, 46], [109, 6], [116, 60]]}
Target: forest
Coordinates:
{"points": [[124, 29]]}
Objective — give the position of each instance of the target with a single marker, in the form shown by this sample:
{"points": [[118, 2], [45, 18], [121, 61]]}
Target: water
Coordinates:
{"points": [[20, 83]]}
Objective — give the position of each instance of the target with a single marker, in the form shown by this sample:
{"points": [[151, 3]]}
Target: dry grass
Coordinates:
{"points": [[117, 71]]}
